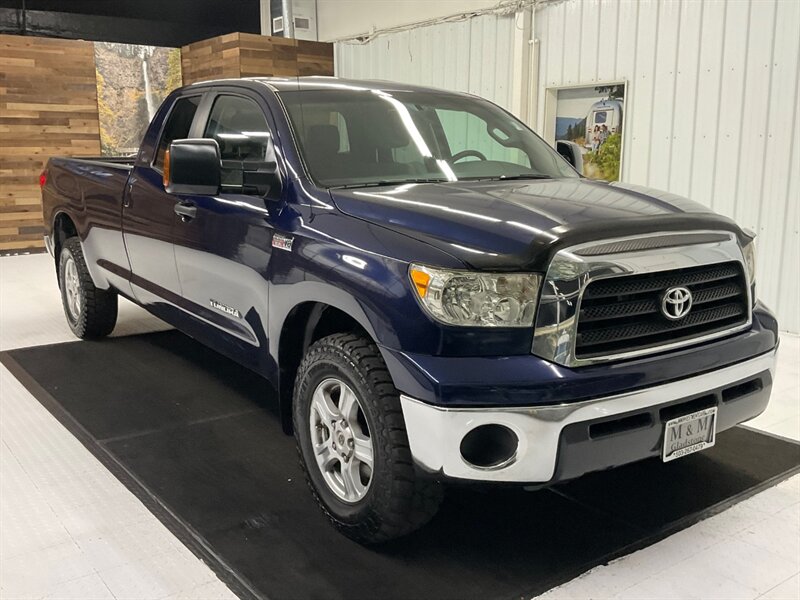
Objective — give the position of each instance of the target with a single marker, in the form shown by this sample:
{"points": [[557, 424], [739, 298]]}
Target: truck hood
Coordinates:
{"points": [[512, 225]]}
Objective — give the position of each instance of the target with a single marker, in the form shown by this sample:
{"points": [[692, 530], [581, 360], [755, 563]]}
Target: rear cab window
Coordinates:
{"points": [[177, 127]]}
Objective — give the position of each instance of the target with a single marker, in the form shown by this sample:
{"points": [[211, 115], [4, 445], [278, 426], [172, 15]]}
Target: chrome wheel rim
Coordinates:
{"points": [[72, 289], [340, 440]]}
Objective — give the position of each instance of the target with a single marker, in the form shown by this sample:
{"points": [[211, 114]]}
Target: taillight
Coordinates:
{"points": [[42, 178]]}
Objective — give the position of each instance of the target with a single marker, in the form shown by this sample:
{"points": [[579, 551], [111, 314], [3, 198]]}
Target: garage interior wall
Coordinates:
{"points": [[48, 106], [712, 98], [339, 19], [469, 56]]}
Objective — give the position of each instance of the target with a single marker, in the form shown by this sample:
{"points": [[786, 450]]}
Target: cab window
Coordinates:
{"points": [[177, 127], [240, 128], [245, 142]]}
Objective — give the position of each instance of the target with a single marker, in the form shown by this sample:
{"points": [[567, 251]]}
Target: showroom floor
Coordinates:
{"points": [[69, 529]]}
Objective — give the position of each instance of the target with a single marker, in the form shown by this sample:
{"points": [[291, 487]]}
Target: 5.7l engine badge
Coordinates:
{"points": [[282, 242]]}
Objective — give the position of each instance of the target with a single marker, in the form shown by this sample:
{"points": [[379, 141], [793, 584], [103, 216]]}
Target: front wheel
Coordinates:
{"points": [[91, 312], [353, 444]]}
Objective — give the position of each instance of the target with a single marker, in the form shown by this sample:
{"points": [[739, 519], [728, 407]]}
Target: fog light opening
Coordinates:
{"points": [[489, 447]]}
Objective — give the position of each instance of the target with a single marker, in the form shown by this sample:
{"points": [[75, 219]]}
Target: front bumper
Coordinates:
{"points": [[562, 441]]}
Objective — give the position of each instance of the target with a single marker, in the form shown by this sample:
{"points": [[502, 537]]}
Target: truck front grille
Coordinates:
{"points": [[624, 314]]}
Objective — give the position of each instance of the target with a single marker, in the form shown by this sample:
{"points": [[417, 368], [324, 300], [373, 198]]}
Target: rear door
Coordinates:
{"points": [[149, 213], [224, 250]]}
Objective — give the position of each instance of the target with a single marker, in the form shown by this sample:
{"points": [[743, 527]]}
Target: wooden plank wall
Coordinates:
{"points": [[48, 106], [250, 55]]}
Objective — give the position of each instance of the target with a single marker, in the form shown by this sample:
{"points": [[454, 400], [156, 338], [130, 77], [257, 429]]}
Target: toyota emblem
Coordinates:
{"points": [[676, 303]]}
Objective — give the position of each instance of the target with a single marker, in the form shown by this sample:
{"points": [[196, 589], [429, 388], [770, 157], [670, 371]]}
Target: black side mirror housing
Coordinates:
{"points": [[192, 167], [261, 178], [571, 153]]}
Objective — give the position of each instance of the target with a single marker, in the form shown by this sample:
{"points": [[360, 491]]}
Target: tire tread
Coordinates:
{"points": [[409, 501], [99, 315]]}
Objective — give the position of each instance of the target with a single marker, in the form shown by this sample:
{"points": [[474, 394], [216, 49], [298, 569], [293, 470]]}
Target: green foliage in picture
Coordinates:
{"points": [[174, 78], [605, 161], [108, 141]]}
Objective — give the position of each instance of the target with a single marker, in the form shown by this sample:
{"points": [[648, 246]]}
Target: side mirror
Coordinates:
{"points": [[571, 153], [261, 179], [192, 167]]}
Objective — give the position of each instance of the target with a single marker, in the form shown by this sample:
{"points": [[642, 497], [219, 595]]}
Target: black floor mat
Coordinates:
{"points": [[197, 439]]}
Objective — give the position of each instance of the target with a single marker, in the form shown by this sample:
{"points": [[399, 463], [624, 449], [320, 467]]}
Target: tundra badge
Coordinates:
{"points": [[282, 242], [226, 309]]}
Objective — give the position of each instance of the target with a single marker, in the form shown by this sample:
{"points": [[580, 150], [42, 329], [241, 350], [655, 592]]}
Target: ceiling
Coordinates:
{"points": [[156, 22]]}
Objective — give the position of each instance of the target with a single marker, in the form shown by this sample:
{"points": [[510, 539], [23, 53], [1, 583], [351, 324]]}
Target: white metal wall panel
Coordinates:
{"points": [[467, 56], [712, 108]]}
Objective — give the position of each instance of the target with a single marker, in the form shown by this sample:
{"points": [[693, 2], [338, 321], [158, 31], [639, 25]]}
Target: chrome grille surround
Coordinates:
{"points": [[572, 269]]}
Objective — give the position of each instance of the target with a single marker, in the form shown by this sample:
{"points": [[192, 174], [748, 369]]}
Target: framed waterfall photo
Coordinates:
{"points": [[132, 82]]}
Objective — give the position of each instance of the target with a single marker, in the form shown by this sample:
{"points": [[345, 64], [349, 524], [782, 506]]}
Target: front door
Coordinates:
{"points": [[223, 250]]}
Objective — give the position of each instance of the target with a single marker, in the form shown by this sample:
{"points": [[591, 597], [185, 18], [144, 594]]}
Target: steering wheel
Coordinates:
{"points": [[465, 153]]}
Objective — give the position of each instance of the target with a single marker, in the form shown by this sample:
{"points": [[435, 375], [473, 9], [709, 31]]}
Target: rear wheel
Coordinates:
{"points": [[91, 312], [353, 444]]}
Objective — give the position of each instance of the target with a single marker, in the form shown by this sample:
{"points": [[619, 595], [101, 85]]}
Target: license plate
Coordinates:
{"points": [[689, 434]]}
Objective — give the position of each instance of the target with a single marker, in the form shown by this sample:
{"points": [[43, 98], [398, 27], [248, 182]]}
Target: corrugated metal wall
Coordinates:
{"points": [[468, 56], [712, 108]]}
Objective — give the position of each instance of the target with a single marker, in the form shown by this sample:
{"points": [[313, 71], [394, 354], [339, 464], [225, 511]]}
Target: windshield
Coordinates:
{"points": [[352, 138]]}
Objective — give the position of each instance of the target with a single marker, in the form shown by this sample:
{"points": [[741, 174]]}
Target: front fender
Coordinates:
{"points": [[286, 298]]}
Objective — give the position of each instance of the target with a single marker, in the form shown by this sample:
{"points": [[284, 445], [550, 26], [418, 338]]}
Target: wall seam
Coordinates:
{"points": [[674, 97], [767, 119], [653, 85], [736, 171], [786, 235], [719, 112], [698, 66]]}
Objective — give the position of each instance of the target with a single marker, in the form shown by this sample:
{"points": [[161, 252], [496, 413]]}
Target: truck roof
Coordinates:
{"points": [[287, 84]]}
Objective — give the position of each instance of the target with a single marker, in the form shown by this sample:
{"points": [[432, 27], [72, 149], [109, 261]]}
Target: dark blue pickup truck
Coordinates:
{"points": [[434, 292]]}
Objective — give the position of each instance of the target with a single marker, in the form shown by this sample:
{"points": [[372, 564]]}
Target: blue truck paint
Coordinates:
{"points": [[351, 250]]}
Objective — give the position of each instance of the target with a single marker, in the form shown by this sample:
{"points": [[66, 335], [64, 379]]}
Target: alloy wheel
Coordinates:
{"points": [[340, 440], [72, 289]]}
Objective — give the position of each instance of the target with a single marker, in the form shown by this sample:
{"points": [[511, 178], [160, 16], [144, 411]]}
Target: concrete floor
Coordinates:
{"points": [[69, 529]]}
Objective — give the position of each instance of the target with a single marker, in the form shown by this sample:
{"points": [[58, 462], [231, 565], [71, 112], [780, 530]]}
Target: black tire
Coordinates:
{"points": [[96, 314], [397, 501]]}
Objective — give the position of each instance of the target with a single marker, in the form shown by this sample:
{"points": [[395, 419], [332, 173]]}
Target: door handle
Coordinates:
{"points": [[126, 201], [186, 211]]}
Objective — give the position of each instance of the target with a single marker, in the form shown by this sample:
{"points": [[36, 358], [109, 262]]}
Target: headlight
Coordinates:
{"points": [[477, 299]]}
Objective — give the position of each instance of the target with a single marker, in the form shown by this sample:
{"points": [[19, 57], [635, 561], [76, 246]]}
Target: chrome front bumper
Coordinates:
{"points": [[435, 433]]}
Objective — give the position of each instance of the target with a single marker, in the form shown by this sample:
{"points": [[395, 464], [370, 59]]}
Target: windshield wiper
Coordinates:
{"points": [[386, 182], [507, 177]]}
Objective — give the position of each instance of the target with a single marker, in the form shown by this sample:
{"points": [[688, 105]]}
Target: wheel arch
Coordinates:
{"points": [[63, 229], [305, 323]]}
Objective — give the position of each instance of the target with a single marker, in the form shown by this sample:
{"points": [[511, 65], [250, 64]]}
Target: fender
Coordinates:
{"points": [[95, 210], [284, 300]]}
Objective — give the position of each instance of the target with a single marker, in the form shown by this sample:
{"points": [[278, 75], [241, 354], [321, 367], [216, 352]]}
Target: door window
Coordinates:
{"points": [[245, 142], [240, 128], [177, 127]]}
